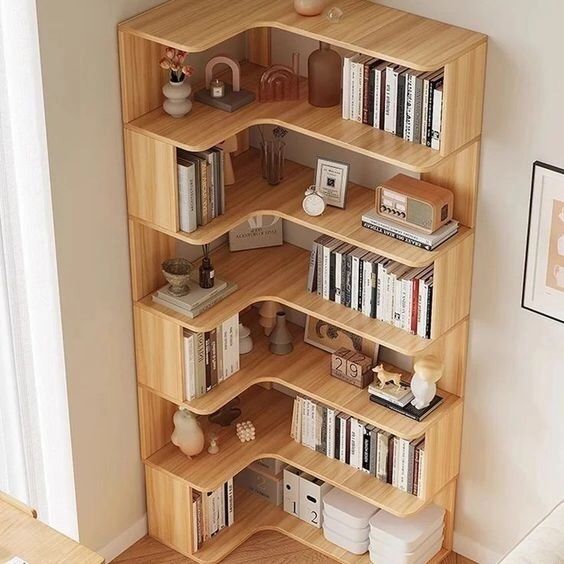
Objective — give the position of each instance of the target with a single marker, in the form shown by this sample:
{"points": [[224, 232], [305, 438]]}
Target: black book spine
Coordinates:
{"points": [[361, 266], [400, 118], [332, 258], [348, 285], [428, 314], [344, 258], [337, 437], [207, 348], [429, 124], [366, 450], [373, 289]]}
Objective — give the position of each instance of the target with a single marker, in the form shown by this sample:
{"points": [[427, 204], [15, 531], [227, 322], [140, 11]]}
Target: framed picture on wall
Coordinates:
{"points": [[543, 280]]}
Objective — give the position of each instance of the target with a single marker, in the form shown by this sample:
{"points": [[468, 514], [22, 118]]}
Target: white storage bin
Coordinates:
{"points": [[348, 509], [352, 533], [343, 542], [381, 553], [406, 534]]}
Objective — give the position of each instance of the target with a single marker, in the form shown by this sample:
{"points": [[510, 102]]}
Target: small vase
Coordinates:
{"points": [[324, 77], [177, 273], [272, 161], [280, 338], [177, 103], [309, 7], [245, 340]]}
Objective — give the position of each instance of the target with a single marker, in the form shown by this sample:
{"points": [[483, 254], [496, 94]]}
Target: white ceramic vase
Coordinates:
{"points": [[187, 435], [177, 103], [245, 340]]}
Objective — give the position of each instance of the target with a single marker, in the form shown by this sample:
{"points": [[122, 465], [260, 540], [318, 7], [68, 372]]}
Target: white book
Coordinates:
{"points": [[343, 439], [346, 110], [390, 112], [326, 269], [359, 76], [425, 109], [194, 524], [421, 315], [421, 474], [367, 285], [354, 281], [354, 446], [382, 455], [437, 118], [408, 106], [220, 507], [235, 351], [403, 477], [230, 503], [331, 413], [395, 463], [200, 349], [183, 196], [189, 366], [338, 275], [379, 100], [353, 87]]}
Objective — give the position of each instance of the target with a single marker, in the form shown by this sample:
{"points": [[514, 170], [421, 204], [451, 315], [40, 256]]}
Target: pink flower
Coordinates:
{"points": [[188, 70], [164, 63], [170, 52]]}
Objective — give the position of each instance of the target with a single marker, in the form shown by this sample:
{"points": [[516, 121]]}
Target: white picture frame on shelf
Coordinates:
{"points": [[543, 280], [331, 179]]}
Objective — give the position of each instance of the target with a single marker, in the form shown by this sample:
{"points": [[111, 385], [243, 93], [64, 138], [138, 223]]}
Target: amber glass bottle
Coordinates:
{"points": [[324, 75]]}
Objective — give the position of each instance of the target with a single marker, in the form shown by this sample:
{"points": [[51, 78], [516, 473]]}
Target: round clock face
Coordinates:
{"points": [[314, 204]]}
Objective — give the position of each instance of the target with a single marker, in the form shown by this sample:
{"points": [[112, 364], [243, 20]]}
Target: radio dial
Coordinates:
{"points": [[402, 215]]}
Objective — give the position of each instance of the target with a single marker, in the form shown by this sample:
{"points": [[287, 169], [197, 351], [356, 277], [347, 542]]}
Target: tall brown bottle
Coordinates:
{"points": [[324, 75]]}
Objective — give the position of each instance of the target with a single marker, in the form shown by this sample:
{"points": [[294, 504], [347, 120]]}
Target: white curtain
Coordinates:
{"points": [[35, 446]]}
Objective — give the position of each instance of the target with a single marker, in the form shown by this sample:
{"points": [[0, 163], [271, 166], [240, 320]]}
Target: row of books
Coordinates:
{"points": [[396, 461], [378, 287], [394, 98], [197, 300], [212, 512], [210, 357], [429, 241], [201, 187]]}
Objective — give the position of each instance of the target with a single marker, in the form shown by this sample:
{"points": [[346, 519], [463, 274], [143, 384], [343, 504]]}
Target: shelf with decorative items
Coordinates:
{"points": [[177, 423]]}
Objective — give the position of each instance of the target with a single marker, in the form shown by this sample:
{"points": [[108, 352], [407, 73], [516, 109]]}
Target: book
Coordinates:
{"points": [[189, 342], [409, 410], [195, 297], [401, 101], [188, 221], [436, 120], [390, 392], [227, 291]]}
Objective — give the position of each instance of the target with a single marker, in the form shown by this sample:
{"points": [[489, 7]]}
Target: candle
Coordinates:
{"points": [[217, 88]]}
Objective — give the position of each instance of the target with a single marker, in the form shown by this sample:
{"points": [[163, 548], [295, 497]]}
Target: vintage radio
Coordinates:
{"points": [[415, 203]]}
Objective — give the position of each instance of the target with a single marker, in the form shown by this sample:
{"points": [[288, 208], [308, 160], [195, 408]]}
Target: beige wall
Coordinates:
{"points": [[512, 456]]}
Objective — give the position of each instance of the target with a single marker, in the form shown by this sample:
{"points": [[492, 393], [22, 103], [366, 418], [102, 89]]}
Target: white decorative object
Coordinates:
{"points": [[428, 371], [245, 341], [213, 448], [314, 203], [384, 376], [245, 431], [177, 103], [187, 435]]}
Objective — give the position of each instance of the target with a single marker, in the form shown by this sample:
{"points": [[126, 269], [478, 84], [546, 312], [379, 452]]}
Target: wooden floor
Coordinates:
{"points": [[267, 546]]}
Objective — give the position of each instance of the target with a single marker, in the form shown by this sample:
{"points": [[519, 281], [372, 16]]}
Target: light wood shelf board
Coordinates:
{"points": [[251, 196], [205, 127], [379, 31], [306, 370], [271, 411], [281, 275]]}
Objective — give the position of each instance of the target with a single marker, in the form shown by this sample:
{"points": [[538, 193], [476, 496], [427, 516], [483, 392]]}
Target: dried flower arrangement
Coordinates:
{"points": [[174, 60]]}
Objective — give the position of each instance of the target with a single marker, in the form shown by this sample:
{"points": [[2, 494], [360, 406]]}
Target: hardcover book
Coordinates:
{"points": [[409, 410]]}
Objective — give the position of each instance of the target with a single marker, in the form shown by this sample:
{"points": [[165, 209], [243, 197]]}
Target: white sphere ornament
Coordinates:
{"points": [[428, 371], [177, 103], [187, 435]]}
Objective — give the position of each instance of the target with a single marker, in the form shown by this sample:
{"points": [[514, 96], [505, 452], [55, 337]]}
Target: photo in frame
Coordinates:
{"points": [[543, 279], [331, 179], [330, 338]]}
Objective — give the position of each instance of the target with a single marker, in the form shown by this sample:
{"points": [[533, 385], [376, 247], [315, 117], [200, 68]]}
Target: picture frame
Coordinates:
{"points": [[330, 338], [331, 179], [543, 276]]}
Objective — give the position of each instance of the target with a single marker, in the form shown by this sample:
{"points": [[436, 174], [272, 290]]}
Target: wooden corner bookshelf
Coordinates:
{"points": [[151, 140]]}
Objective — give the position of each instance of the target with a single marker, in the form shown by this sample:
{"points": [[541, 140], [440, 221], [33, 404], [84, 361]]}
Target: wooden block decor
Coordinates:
{"points": [[352, 367]]}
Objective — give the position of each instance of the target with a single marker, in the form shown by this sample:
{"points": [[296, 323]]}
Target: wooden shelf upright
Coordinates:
{"points": [[151, 140]]}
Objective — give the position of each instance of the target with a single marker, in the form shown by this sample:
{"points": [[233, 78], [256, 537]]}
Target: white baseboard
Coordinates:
{"points": [[130, 536], [471, 549]]}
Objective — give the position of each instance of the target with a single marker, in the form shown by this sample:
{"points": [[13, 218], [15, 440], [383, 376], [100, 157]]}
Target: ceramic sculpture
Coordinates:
{"points": [[280, 338], [428, 371], [245, 340], [384, 376], [187, 435]]}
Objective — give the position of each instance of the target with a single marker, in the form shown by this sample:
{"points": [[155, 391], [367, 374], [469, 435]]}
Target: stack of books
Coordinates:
{"points": [[394, 98], [335, 434], [212, 512], [201, 187], [210, 357], [372, 284], [429, 241], [197, 300]]}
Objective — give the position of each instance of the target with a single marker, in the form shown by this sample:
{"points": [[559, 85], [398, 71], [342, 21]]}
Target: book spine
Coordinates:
{"points": [[312, 273], [354, 283], [348, 431], [230, 503], [424, 111], [429, 312], [326, 271], [204, 191], [332, 274], [421, 473], [429, 124], [391, 100], [330, 448], [377, 99], [415, 488], [338, 276], [183, 198], [436, 120], [207, 348], [417, 109], [322, 442], [403, 476], [319, 288], [213, 357], [414, 305], [201, 364], [189, 367], [346, 111], [349, 281], [395, 462], [374, 290], [391, 460], [370, 96], [365, 466], [365, 91], [421, 309], [343, 446], [408, 120], [382, 456], [359, 91], [410, 466], [337, 447], [353, 91], [404, 238], [373, 450], [354, 443], [400, 112]]}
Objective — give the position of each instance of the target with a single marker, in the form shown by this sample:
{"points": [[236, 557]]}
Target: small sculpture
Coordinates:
{"points": [[245, 340], [280, 83], [428, 371], [213, 448], [230, 145], [177, 273], [245, 431], [280, 338], [384, 376], [267, 313], [233, 97], [187, 435]]}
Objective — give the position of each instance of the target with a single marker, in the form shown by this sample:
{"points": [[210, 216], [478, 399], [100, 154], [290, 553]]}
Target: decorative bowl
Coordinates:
{"points": [[177, 273]]}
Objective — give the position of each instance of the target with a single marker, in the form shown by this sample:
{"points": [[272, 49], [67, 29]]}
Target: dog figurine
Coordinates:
{"points": [[384, 376]]}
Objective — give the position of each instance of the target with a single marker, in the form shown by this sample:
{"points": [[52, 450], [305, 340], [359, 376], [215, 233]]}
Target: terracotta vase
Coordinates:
{"points": [[267, 313], [324, 77], [309, 7], [280, 338]]}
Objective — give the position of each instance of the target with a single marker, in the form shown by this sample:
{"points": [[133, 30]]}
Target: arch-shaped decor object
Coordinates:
{"points": [[234, 98], [280, 82]]}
